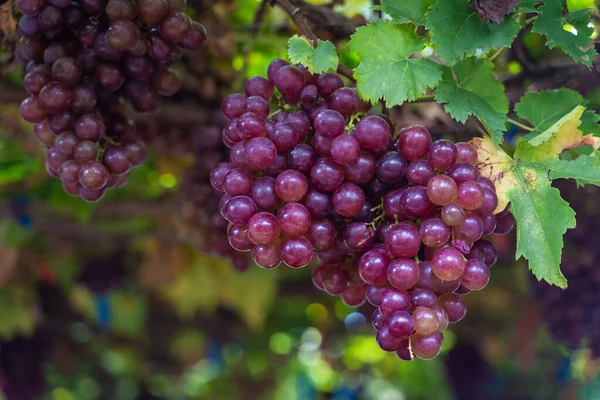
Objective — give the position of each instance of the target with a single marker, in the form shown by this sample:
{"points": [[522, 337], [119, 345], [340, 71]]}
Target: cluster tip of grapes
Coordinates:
{"points": [[82, 58], [395, 220]]}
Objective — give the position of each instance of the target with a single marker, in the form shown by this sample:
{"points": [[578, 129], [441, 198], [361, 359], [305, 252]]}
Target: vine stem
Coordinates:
{"points": [[520, 125], [298, 18]]}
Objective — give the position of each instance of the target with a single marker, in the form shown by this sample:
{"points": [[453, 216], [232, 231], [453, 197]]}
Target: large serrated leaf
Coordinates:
{"points": [[457, 31], [407, 10], [386, 70], [578, 44], [470, 88], [524, 180]]}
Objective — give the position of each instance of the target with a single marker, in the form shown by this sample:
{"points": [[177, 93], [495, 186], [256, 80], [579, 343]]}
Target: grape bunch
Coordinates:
{"points": [[394, 220], [573, 315], [83, 58]]}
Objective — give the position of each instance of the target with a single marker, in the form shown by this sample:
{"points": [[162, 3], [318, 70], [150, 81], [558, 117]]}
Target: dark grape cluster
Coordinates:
{"points": [[573, 315], [393, 219], [83, 58]]}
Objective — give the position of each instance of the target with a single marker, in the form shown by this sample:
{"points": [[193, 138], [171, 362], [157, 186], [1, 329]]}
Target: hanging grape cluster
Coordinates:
{"points": [[83, 58], [395, 220]]}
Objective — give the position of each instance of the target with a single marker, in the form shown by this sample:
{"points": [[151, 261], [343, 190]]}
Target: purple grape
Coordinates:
{"points": [[30, 7], [452, 214], [238, 238], [441, 190], [151, 12], [427, 347], [289, 81], [234, 106], [65, 144], [427, 279], [386, 341], [448, 287], [237, 182], [434, 232], [294, 219], [60, 122], [505, 224], [485, 251], [442, 318], [93, 175], [251, 125], [117, 161], [90, 127], [425, 320], [466, 153], [400, 324], [328, 83], [335, 280], [55, 97], [239, 210], [415, 202], [260, 153], [348, 200], [354, 295], [476, 275], [279, 165], [345, 101], [454, 306], [35, 80], [373, 265], [50, 18], [327, 175], [321, 234], [297, 253], [442, 154], [403, 273], [259, 86], [32, 111], [69, 171], [393, 300], [322, 145], [267, 255], [391, 168], [359, 235], [302, 158], [470, 195], [275, 66], [329, 123], [470, 230], [317, 203], [362, 170], [301, 122], [419, 173], [284, 136], [345, 149], [175, 26], [291, 186], [372, 132], [463, 172], [374, 296], [263, 228], [486, 184], [403, 241], [448, 264], [414, 142], [423, 298], [123, 34], [44, 134], [490, 203]]}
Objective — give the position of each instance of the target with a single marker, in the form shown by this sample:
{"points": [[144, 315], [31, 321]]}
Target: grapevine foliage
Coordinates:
{"points": [[444, 50]]}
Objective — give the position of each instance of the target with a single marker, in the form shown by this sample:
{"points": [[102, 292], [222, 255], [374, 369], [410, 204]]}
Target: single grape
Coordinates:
{"points": [[505, 224], [237, 182], [175, 26], [329, 123], [44, 134], [120, 9], [348, 200], [427, 347], [35, 80], [476, 275], [374, 295], [335, 280], [317, 203], [264, 194], [386, 341], [301, 122], [427, 279], [294, 219], [151, 12], [251, 125], [297, 253], [275, 66], [434, 232], [415, 202], [260, 153], [359, 235], [400, 324], [470, 230], [93, 175], [195, 38], [267, 255], [393, 300], [448, 287], [84, 98], [463, 172], [123, 34], [423, 298], [485, 251], [403, 241], [414, 142], [404, 352], [466, 153], [373, 266], [234, 106], [90, 127], [91, 195], [354, 295], [289, 81], [259, 86], [166, 82], [425, 320], [345, 101], [328, 83], [345, 149], [419, 173], [317, 276], [69, 171], [327, 175], [238, 238], [302, 158], [55, 97], [403, 273], [452, 214], [441, 190], [240, 209], [454, 306], [116, 160], [60, 122], [321, 234], [32, 111], [362, 170], [372, 132], [448, 264], [285, 136], [65, 144], [442, 154], [391, 168], [263, 228]]}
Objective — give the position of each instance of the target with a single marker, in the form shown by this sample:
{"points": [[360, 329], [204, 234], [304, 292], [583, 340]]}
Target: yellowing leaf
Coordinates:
{"points": [[524, 180]]}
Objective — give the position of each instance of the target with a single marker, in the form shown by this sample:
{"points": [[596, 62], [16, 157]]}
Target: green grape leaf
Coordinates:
{"points": [[386, 69], [457, 31], [320, 59], [577, 44], [407, 10], [524, 180], [527, 6], [470, 88], [544, 109]]}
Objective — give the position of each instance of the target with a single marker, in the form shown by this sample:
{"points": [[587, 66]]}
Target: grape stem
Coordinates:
{"points": [[520, 125], [297, 17]]}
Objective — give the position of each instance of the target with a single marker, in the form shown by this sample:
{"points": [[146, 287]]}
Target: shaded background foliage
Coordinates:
{"points": [[130, 298]]}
